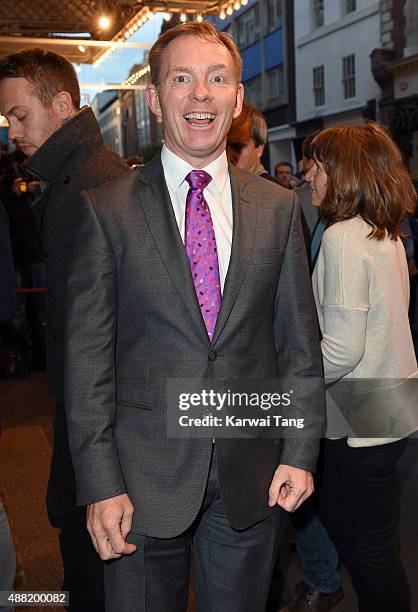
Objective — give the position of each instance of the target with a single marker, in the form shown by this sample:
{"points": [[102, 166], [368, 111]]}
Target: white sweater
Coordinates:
{"points": [[361, 289]]}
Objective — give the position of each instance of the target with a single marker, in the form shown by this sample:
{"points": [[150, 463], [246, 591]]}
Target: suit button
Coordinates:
{"points": [[67, 179], [213, 356], [54, 334]]}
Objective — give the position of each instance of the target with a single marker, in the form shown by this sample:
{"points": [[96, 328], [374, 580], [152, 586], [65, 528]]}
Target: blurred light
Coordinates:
{"points": [[77, 68], [183, 17], [237, 6], [229, 10], [104, 22], [199, 18], [222, 14], [166, 16], [82, 48], [244, 2]]}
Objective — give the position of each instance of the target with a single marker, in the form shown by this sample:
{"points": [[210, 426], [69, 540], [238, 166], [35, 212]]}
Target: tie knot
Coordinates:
{"points": [[198, 179]]}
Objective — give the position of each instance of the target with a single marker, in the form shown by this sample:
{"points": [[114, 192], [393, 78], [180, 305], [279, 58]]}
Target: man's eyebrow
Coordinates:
{"points": [[189, 69], [13, 109]]}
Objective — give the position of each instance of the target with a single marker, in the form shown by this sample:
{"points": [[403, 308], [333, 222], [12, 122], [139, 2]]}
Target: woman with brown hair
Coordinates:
{"points": [[361, 290]]}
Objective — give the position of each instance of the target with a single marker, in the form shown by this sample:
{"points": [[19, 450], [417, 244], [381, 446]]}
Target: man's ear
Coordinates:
{"points": [[62, 105], [153, 100], [260, 150], [239, 101]]}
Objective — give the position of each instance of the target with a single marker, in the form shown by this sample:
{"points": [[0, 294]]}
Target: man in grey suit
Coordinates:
{"points": [[186, 268]]}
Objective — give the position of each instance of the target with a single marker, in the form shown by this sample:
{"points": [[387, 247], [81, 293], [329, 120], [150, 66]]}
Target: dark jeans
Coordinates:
{"points": [[358, 509], [317, 554], [233, 568], [83, 568]]}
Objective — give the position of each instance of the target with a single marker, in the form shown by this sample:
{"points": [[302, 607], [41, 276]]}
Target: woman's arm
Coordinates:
{"points": [[343, 284]]}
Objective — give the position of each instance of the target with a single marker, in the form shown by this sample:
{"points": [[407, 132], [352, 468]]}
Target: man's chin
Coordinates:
{"points": [[27, 150]]}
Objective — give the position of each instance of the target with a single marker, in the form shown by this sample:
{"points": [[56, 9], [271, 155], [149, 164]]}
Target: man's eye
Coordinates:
{"points": [[219, 79], [180, 78]]}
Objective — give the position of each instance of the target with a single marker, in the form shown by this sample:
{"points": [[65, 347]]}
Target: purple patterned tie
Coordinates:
{"points": [[201, 249]]}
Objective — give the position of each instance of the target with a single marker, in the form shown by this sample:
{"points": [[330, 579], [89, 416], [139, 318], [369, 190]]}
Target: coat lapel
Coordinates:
{"points": [[162, 222], [244, 223]]}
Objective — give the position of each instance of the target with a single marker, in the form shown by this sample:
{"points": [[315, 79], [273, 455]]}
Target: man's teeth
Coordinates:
{"points": [[199, 116]]}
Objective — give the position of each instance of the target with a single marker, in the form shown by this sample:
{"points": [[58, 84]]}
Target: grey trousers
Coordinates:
{"points": [[7, 557], [233, 568]]}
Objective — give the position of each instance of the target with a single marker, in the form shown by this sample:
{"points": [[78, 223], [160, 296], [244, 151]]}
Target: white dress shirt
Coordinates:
{"points": [[217, 194]]}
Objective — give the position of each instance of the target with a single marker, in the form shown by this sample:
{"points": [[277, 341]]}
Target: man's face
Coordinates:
{"points": [[283, 175], [197, 97], [242, 150], [30, 123]]}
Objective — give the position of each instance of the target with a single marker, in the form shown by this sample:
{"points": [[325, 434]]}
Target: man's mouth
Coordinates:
{"points": [[199, 119]]}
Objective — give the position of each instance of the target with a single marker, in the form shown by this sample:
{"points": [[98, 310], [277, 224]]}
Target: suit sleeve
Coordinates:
{"points": [[90, 338], [298, 349], [7, 273]]}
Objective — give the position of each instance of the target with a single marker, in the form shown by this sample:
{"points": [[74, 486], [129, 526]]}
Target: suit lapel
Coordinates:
{"points": [[244, 223], [158, 210], [162, 222]]}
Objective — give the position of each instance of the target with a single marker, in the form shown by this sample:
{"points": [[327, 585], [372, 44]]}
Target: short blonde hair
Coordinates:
{"points": [[205, 30]]}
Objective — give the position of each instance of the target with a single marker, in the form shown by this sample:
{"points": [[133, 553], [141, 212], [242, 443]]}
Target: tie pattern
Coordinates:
{"points": [[201, 249]]}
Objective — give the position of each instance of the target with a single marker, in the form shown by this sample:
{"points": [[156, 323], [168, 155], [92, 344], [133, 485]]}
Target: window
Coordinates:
{"points": [[253, 91], [248, 27], [319, 85], [274, 15], [275, 85], [318, 13], [350, 6], [349, 76]]}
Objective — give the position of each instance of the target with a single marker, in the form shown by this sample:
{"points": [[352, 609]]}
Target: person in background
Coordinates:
{"points": [[7, 310], [283, 174], [321, 590], [40, 96], [246, 141], [361, 290]]}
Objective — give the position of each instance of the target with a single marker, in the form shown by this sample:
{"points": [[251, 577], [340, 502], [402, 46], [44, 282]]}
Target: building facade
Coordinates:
{"points": [[395, 68], [334, 79], [263, 31], [106, 107]]}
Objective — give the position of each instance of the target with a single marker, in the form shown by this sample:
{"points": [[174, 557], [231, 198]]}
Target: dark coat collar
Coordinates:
{"points": [[78, 137]]}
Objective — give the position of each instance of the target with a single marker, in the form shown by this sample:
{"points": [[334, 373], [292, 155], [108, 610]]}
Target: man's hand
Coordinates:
{"points": [[108, 523], [290, 487]]}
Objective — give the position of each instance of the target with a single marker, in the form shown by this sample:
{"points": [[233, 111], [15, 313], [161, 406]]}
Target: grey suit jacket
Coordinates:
{"points": [[133, 321]]}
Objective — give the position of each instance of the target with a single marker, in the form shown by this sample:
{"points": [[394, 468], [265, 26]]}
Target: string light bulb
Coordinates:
{"points": [[183, 17]]}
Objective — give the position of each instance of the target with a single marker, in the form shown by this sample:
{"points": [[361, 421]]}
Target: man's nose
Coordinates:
{"points": [[15, 132], [200, 90]]}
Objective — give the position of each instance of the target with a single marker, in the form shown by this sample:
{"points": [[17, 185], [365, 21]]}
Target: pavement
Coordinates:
{"points": [[26, 414]]}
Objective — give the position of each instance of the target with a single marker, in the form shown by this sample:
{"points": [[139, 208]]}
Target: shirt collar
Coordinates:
{"points": [[176, 169]]}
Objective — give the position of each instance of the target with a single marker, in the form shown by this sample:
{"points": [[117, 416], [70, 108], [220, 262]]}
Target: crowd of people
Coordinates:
{"points": [[197, 269]]}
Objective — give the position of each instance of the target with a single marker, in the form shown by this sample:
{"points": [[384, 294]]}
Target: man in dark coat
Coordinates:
{"points": [[40, 96]]}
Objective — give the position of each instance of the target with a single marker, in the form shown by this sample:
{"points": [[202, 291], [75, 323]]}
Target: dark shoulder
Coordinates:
{"points": [[115, 189], [265, 191]]}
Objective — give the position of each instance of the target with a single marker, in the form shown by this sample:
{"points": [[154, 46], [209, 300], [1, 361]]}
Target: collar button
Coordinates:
{"points": [[67, 179]]}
